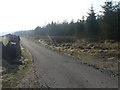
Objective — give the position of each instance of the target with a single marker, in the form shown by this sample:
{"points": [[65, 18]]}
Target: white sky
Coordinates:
{"points": [[27, 14]]}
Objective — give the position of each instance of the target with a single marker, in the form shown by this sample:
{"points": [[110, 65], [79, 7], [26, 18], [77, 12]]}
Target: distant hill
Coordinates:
{"points": [[4, 33]]}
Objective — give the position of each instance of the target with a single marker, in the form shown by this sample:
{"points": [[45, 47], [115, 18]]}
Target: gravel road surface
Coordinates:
{"points": [[59, 71]]}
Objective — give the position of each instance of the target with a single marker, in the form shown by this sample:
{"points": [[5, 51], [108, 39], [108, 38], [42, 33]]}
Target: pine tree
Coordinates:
{"points": [[92, 24], [110, 20]]}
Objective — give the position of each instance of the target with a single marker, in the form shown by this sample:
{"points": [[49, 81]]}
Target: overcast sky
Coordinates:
{"points": [[27, 14]]}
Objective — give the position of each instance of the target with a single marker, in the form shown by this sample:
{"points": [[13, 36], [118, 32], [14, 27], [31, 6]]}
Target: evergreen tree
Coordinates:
{"points": [[117, 6], [110, 20], [92, 24], [80, 25]]}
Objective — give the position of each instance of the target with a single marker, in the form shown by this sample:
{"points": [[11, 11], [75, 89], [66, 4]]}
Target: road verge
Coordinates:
{"points": [[103, 56]]}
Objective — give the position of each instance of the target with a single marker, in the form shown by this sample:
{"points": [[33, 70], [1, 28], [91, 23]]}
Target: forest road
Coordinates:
{"points": [[55, 70]]}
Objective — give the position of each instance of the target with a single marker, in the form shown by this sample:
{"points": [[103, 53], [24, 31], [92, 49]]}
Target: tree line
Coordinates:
{"points": [[105, 25]]}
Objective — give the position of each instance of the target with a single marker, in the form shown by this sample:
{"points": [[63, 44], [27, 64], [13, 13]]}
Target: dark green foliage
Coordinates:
{"points": [[118, 15], [92, 25], [95, 27], [110, 20], [79, 28]]}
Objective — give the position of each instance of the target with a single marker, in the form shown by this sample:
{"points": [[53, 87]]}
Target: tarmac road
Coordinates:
{"points": [[59, 71]]}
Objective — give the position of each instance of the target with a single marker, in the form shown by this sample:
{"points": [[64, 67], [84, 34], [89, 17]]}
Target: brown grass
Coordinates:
{"points": [[102, 55]]}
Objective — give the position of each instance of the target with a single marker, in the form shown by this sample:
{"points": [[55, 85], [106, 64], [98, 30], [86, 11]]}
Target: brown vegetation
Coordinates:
{"points": [[102, 55]]}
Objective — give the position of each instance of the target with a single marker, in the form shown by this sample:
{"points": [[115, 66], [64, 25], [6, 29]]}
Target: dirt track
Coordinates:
{"points": [[58, 71]]}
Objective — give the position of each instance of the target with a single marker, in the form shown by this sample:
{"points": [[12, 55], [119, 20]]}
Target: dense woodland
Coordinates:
{"points": [[101, 26]]}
